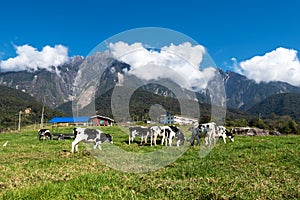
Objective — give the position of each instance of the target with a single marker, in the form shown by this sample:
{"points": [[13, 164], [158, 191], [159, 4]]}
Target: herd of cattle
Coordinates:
{"points": [[210, 132]]}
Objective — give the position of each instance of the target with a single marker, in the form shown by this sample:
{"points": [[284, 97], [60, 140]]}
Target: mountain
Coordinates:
{"points": [[12, 101], [243, 93], [55, 86], [100, 73], [286, 104]]}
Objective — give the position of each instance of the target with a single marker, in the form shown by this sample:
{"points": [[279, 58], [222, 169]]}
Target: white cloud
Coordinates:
{"points": [[280, 64], [177, 62], [29, 58]]}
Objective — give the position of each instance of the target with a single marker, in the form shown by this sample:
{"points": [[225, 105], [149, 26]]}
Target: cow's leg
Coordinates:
{"points": [[170, 139], [224, 138], [198, 139], [99, 146], [163, 138], [142, 138], [129, 138], [75, 144], [178, 141], [155, 138], [192, 139], [146, 139], [95, 145], [73, 147]]}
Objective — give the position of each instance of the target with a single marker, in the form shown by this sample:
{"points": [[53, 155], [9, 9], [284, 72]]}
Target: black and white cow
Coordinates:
{"points": [[140, 131], [157, 131], [90, 136], [44, 133], [223, 133], [206, 131], [177, 134]]}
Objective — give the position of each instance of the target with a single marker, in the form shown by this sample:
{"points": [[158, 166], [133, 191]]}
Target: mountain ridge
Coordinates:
{"points": [[58, 88]]}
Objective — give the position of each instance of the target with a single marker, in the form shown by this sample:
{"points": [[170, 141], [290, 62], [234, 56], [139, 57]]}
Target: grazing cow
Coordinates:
{"points": [[223, 133], [90, 135], [177, 134], [44, 133], [140, 131], [156, 131], [207, 131]]}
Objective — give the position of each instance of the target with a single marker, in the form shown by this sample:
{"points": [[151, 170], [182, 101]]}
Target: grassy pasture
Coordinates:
{"points": [[250, 168]]}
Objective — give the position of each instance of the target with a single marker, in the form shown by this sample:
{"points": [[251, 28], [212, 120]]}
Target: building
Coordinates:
{"points": [[175, 119], [184, 120], [68, 121], [99, 120]]}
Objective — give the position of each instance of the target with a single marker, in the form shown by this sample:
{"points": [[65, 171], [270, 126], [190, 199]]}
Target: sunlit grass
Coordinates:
{"points": [[250, 168]]}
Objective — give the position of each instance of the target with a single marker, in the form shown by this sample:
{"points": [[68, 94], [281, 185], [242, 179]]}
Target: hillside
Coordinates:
{"points": [[141, 102], [243, 93], [286, 104], [57, 86], [12, 101]]}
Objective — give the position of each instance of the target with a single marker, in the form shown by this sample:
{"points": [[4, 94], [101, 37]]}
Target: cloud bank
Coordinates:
{"points": [[280, 64], [29, 58], [179, 63]]}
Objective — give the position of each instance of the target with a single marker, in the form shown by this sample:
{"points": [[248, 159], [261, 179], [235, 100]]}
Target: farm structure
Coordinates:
{"points": [[70, 121], [67, 133], [99, 120], [176, 119]]}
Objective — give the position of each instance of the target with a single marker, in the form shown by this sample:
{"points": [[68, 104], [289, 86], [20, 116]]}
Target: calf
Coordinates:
{"points": [[90, 135], [44, 133], [223, 133], [140, 131]]}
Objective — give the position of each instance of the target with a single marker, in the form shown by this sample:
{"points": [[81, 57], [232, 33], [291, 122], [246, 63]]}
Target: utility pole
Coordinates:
{"points": [[43, 110], [19, 124]]}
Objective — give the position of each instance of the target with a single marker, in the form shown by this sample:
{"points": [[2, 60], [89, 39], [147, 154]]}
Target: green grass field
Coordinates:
{"points": [[250, 168]]}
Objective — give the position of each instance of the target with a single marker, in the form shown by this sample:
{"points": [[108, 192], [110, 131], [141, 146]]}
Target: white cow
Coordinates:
{"points": [[89, 135]]}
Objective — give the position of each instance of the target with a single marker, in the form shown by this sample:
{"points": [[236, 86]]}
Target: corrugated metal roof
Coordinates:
{"points": [[69, 119], [102, 117]]}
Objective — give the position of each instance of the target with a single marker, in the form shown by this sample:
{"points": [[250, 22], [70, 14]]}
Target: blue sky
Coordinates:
{"points": [[239, 29]]}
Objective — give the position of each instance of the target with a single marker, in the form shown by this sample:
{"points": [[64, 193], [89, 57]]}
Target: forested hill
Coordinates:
{"points": [[285, 104], [12, 101]]}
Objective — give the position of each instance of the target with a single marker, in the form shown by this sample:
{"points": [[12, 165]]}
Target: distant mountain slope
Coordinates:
{"points": [[56, 87], [12, 101], [141, 102], [242, 93], [279, 104]]}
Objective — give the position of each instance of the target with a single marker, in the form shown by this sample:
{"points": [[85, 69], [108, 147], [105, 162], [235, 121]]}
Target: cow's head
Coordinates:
{"points": [[109, 138]]}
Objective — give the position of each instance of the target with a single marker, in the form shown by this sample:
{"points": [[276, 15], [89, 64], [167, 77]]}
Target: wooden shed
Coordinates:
{"points": [[99, 120]]}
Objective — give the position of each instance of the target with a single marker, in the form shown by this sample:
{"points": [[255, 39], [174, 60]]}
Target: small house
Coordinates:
{"points": [[99, 120]]}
